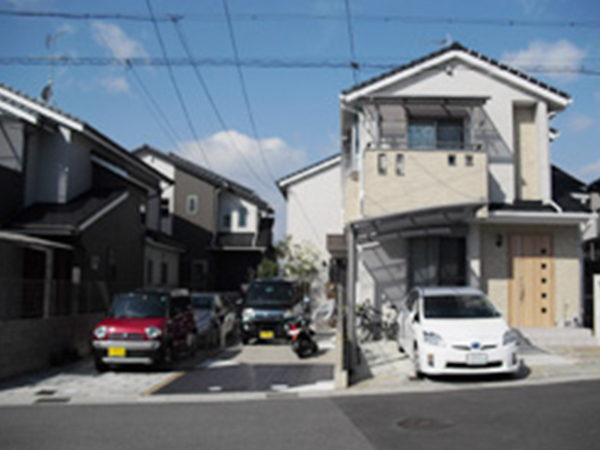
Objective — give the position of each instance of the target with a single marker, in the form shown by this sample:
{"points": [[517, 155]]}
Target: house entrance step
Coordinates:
{"points": [[560, 337]]}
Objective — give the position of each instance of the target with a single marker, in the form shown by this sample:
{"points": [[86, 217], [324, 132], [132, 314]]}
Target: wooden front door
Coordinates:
{"points": [[531, 292]]}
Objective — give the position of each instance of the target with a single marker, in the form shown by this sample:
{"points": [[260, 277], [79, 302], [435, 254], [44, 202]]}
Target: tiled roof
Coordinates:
{"points": [[457, 47], [63, 218], [207, 175]]}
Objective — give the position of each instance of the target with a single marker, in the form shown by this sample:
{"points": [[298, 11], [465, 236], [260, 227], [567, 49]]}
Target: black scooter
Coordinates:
{"points": [[301, 337]]}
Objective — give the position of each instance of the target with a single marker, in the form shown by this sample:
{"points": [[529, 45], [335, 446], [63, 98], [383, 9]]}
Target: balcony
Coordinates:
{"points": [[402, 180]]}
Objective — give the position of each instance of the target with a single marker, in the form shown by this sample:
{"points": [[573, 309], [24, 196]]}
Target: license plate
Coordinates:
{"points": [[477, 359], [116, 351], [266, 334]]}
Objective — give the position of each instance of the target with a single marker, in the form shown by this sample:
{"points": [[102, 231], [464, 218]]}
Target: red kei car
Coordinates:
{"points": [[145, 327]]}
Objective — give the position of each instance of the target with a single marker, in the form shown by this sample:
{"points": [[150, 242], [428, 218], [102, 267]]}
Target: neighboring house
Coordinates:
{"points": [[314, 213], [74, 214], [592, 247], [226, 227], [447, 181]]}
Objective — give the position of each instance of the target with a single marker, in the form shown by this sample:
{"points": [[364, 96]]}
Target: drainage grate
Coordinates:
{"points": [[53, 400], [46, 392], [424, 423]]}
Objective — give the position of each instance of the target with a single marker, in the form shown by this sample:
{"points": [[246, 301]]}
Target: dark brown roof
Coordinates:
{"points": [[454, 47], [52, 218], [207, 175]]}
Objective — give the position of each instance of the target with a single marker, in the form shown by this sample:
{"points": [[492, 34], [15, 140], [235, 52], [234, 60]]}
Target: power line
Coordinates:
{"points": [[280, 17], [166, 127], [213, 103], [245, 95], [353, 64], [255, 63], [176, 86]]}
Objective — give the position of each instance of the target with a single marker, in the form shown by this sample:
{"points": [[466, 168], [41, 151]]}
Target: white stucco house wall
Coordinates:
{"points": [[314, 211]]}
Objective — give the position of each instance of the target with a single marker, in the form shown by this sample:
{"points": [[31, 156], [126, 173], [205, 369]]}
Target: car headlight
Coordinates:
{"points": [[432, 338], [100, 332], [289, 314], [153, 332], [510, 337], [247, 314]]}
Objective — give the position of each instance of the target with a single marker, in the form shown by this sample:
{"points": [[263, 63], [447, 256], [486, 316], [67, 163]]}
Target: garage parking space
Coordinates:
{"points": [[259, 368]]}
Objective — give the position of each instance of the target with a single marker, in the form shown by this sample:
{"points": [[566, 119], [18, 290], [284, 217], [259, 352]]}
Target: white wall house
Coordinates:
{"points": [[447, 181], [314, 210]]}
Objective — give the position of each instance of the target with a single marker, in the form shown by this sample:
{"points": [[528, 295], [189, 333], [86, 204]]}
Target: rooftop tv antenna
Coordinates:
{"points": [[51, 41]]}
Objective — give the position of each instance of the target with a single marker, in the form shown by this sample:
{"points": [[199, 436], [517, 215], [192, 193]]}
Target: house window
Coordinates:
{"points": [[164, 273], [192, 204], [437, 261], [164, 207], [452, 160], [227, 221], [382, 164], [149, 272], [469, 160], [198, 275], [399, 164], [431, 134], [243, 217]]}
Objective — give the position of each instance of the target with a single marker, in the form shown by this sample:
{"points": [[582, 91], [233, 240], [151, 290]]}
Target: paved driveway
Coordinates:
{"points": [[256, 368], [259, 368]]}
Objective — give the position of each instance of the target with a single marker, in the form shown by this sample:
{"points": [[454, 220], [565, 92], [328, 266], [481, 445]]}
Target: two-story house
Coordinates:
{"points": [[75, 211], [226, 227], [447, 181]]}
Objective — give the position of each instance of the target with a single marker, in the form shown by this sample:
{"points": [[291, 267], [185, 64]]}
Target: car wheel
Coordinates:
{"points": [[167, 357], [100, 366], [193, 344]]}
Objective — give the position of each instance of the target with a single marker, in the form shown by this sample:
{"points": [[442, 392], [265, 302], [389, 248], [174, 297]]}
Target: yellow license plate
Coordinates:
{"points": [[116, 351], [266, 335]]}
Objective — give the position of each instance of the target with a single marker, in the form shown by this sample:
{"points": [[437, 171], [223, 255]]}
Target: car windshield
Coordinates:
{"points": [[459, 307], [203, 301], [270, 294], [139, 306]]}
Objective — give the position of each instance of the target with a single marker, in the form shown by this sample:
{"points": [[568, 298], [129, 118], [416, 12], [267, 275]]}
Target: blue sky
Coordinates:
{"points": [[294, 110]]}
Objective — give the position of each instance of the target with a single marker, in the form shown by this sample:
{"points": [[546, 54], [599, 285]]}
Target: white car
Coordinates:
{"points": [[455, 331]]}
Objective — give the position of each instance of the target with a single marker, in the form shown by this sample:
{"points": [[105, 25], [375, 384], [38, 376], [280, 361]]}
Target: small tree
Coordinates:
{"points": [[299, 262]]}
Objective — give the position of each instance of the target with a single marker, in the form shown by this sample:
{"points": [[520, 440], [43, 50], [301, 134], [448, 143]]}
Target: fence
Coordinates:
{"points": [[35, 299]]}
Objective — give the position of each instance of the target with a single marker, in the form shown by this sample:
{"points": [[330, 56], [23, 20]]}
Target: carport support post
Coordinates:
{"points": [[352, 349], [597, 307]]}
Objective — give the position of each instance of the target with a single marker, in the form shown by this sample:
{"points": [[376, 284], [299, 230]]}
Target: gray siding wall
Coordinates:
{"points": [[11, 167], [196, 230]]}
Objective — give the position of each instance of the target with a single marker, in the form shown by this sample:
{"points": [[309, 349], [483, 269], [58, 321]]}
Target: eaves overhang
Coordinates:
{"points": [[537, 218]]}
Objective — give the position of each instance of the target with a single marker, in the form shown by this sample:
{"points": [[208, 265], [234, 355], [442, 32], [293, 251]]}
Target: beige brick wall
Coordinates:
{"points": [[567, 268], [568, 275], [527, 149], [428, 181]]}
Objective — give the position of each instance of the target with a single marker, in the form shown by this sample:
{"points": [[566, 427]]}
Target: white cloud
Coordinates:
{"points": [[231, 152], [533, 7], [579, 123], [116, 85], [560, 55], [117, 42], [25, 3], [591, 170]]}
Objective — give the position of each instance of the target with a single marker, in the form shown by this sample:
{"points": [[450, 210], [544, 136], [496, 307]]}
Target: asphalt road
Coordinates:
{"points": [[549, 417]]}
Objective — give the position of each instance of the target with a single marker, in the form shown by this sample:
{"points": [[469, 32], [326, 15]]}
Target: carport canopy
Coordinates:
{"points": [[429, 221]]}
